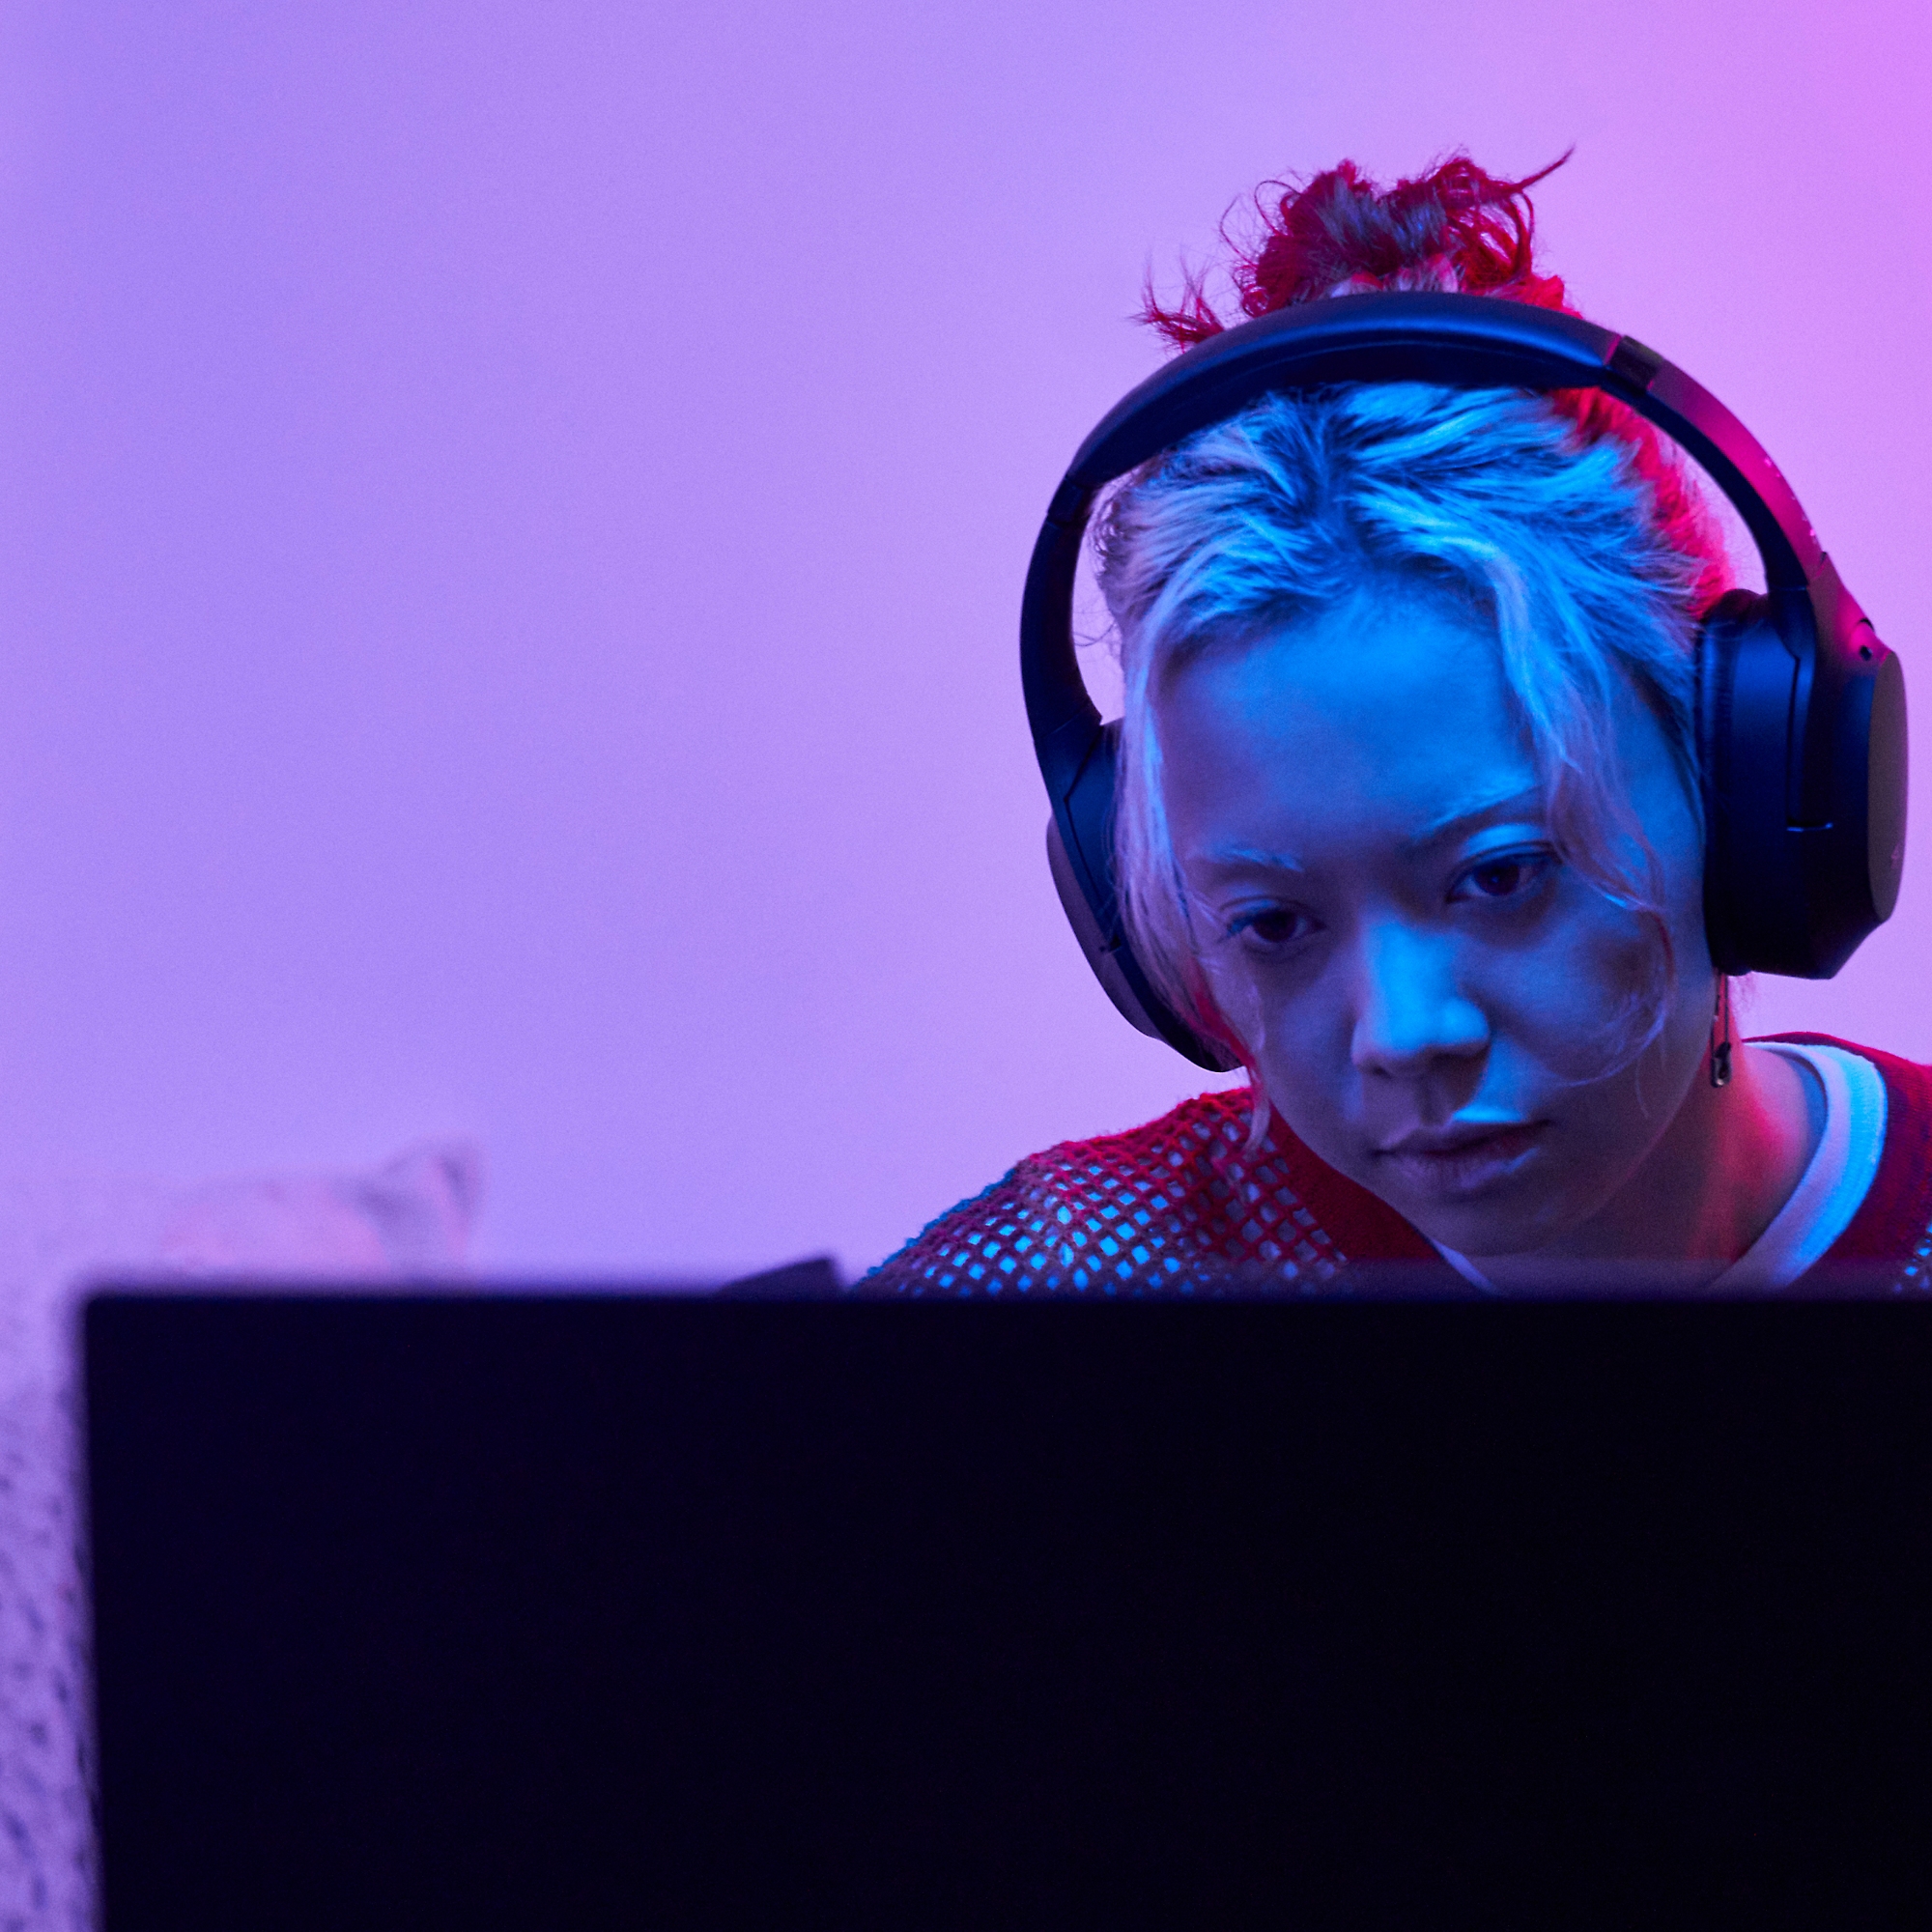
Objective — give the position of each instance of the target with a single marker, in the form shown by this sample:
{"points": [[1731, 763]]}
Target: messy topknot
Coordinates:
{"points": [[1457, 228]]}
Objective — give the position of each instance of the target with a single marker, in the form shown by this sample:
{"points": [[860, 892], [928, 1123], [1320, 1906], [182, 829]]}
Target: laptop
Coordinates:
{"points": [[641, 1611]]}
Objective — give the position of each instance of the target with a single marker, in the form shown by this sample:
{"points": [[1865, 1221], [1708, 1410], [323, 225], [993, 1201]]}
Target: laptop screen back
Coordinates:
{"points": [[624, 1611]]}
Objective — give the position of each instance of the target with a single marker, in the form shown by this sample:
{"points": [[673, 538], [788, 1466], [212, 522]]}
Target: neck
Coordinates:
{"points": [[1713, 1183]]}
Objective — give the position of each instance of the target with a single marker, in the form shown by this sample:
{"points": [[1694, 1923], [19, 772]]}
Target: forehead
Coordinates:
{"points": [[1372, 720]]}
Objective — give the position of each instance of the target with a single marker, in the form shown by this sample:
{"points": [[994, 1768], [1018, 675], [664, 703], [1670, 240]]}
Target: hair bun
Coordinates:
{"points": [[1456, 228]]}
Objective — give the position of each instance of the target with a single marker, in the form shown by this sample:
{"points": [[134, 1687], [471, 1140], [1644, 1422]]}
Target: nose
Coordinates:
{"points": [[1410, 1010]]}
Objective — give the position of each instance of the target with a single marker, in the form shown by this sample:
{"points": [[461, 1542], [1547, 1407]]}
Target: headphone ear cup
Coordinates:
{"points": [[1800, 741], [1743, 812], [1079, 852], [1100, 947]]}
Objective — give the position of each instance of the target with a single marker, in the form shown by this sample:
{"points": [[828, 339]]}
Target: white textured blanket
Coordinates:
{"points": [[411, 1218]]}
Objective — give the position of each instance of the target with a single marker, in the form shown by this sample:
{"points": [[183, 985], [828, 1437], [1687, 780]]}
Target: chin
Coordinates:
{"points": [[1511, 1216], [1490, 1238]]}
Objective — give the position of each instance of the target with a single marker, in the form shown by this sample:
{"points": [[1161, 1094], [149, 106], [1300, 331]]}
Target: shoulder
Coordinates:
{"points": [[1892, 1228], [1161, 1204]]}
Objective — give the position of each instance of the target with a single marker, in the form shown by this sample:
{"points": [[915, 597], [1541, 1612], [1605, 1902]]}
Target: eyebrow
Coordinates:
{"points": [[1229, 856], [1458, 818], [1484, 806]]}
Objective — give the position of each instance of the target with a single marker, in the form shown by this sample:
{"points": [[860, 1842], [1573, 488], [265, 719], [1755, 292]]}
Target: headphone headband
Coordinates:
{"points": [[1453, 341]]}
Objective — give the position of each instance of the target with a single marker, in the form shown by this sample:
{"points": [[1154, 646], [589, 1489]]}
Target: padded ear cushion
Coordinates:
{"points": [[1801, 759], [1079, 850], [1742, 662]]}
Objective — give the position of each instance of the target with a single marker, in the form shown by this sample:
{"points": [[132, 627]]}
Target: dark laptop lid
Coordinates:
{"points": [[642, 1611]]}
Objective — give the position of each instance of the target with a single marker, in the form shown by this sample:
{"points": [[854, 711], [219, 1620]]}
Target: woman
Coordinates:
{"points": [[1409, 824]]}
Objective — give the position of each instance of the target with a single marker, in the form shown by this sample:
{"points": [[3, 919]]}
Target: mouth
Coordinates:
{"points": [[1458, 1165]]}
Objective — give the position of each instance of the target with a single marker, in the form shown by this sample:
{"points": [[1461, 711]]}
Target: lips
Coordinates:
{"points": [[1463, 1161]]}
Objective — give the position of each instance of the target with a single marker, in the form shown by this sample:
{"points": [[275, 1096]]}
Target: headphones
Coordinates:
{"points": [[1800, 709]]}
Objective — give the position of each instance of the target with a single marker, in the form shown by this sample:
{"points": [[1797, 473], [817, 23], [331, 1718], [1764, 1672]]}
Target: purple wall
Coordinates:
{"points": [[513, 518]]}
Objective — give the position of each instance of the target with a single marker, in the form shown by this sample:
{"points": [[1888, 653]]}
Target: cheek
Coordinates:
{"points": [[1295, 1030], [1580, 999], [1260, 1008]]}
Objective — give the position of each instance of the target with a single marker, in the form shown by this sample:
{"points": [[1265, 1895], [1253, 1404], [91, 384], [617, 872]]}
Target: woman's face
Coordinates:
{"points": [[1429, 993]]}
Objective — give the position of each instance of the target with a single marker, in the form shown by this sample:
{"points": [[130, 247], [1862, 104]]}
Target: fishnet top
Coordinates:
{"points": [[1181, 1203], [1176, 1201]]}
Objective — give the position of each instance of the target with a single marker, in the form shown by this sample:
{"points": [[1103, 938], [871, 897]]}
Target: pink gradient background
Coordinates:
{"points": [[513, 518]]}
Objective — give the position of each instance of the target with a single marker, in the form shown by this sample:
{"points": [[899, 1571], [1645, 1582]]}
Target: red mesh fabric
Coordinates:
{"points": [[1168, 1204], [1180, 1201]]}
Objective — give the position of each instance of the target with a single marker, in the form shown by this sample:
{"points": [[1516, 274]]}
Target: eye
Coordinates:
{"points": [[1509, 875], [1272, 927]]}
